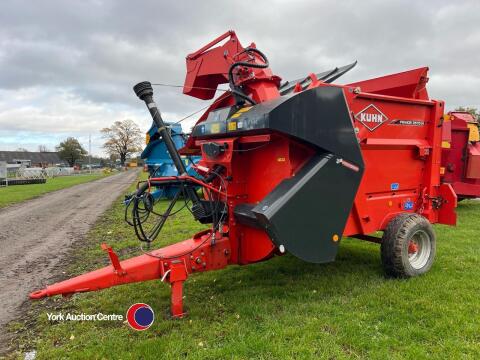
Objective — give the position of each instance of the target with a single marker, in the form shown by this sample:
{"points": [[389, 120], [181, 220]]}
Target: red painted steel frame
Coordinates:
{"points": [[209, 66], [399, 136], [172, 264]]}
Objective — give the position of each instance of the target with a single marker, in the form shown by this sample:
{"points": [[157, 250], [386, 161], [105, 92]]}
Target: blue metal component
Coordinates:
{"points": [[159, 162]]}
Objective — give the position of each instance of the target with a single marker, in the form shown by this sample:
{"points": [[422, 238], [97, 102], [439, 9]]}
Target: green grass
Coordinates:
{"points": [[282, 308], [17, 193]]}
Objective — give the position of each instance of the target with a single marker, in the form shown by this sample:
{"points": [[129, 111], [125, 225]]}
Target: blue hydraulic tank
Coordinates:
{"points": [[158, 160]]}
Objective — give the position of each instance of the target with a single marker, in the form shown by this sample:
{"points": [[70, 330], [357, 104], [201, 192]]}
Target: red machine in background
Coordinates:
{"points": [[461, 154], [291, 167]]}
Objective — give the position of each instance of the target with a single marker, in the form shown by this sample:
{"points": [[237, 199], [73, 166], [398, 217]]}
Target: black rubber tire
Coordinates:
{"points": [[395, 244]]}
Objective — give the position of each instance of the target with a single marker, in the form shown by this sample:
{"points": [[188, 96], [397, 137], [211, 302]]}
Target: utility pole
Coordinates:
{"points": [[90, 152]]}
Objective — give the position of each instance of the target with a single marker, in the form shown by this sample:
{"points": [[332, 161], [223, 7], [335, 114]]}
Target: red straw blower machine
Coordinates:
{"points": [[290, 166], [461, 154]]}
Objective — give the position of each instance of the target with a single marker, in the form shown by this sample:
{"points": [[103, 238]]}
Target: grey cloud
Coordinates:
{"points": [[96, 50]]}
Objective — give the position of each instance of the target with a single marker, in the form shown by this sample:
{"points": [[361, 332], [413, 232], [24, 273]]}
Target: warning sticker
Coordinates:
{"points": [[215, 128], [240, 112]]}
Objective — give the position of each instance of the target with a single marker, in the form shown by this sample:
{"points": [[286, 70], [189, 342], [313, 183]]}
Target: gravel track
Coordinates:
{"points": [[35, 236]]}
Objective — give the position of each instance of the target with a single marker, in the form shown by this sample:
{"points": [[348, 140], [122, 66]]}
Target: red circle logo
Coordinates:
{"points": [[140, 316]]}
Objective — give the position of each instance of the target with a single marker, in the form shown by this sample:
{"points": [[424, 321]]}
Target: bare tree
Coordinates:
{"points": [[123, 138], [43, 148], [22, 149]]}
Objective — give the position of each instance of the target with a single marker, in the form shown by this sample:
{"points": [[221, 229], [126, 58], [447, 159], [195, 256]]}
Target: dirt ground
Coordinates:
{"points": [[35, 236]]}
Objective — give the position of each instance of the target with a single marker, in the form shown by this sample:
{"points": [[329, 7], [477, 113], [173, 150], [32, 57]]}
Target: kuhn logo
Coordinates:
{"points": [[371, 117]]}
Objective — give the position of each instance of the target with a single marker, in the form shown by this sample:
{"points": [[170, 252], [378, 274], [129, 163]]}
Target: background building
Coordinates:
{"points": [[31, 159]]}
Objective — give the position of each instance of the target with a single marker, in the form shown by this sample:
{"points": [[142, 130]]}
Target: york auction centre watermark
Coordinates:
{"points": [[139, 316], [85, 317]]}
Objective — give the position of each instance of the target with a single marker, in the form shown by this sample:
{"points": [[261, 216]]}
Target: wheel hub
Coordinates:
{"points": [[419, 249], [412, 247]]}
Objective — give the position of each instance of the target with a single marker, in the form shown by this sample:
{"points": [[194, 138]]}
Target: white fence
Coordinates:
{"points": [[30, 173], [22, 172], [19, 172], [59, 171]]}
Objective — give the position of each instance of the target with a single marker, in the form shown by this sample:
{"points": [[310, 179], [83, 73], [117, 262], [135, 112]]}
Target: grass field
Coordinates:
{"points": [[282, 308], [14, 194]]}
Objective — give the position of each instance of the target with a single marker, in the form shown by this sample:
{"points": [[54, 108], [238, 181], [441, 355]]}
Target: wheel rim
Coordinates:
{"points": [[419, 249]]}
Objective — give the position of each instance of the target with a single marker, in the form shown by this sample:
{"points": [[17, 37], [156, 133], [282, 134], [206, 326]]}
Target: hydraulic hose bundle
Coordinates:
{"points": [[236, 90], [141, 208], [141, 205]]}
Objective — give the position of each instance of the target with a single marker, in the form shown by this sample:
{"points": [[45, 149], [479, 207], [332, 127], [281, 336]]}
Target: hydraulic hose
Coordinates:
{"points": [[235, 89]]}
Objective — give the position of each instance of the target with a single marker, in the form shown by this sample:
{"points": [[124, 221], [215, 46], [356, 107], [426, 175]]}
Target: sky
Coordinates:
{"points": [[67, 67]]}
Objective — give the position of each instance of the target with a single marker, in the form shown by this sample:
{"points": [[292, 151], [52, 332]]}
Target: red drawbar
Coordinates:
{"points": [[172, 264]]}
